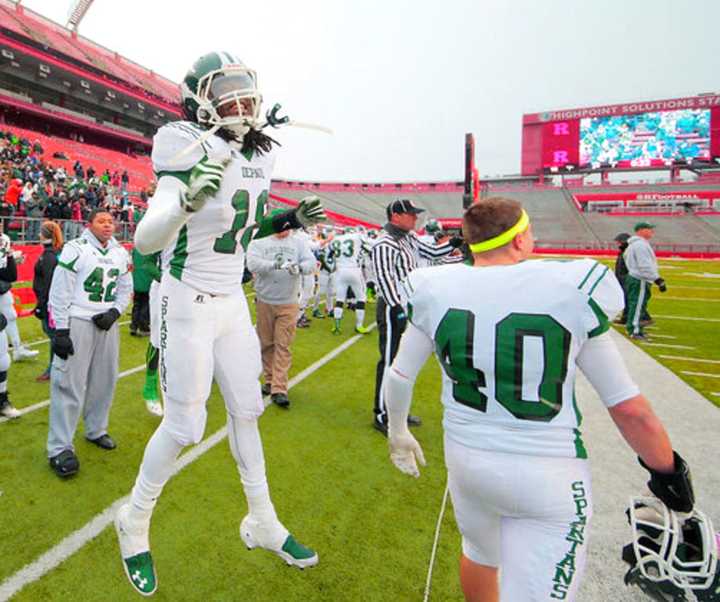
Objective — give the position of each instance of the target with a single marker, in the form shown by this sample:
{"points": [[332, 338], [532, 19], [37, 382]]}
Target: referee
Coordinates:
{"points": [[394, 255]]}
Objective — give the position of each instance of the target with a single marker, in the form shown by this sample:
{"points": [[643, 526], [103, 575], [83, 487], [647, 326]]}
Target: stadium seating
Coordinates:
{"points": [[139, 168], [48, 34]]}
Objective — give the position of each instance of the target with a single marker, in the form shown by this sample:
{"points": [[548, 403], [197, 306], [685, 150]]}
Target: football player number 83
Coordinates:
{"points": [[454, 344], [227, 243]]}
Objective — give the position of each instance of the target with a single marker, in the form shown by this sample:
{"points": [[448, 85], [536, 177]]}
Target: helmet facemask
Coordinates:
{"points": [[228, 98], [680, 549]]}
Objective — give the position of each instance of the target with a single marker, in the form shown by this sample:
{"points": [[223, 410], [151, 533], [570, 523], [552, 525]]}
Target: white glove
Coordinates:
{"points": [[406, 453], [204, 181]]}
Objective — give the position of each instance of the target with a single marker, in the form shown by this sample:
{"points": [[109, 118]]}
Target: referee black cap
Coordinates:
{"points": [[402, 206]]}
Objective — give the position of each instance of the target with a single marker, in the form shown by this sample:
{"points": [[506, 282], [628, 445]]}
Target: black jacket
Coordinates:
{"points": [[8, 275], [620, 268], [44, 268]]}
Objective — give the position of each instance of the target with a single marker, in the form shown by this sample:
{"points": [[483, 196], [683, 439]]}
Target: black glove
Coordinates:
{"points": [[3, 322], [456, 242], [661, 285], [397, 312], [39, 312], [105, 320], [673, 489], [62, 344]]}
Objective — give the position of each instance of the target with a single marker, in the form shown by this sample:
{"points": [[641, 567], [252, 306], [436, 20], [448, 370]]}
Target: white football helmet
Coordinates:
{"points": [[219, 91], [670, 548]]}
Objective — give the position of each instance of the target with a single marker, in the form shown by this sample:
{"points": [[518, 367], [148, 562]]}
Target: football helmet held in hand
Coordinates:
{"points": [[671, 555]]}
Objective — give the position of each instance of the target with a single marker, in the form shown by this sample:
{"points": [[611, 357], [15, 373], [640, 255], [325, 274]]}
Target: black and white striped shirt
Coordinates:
{"points": [[394, 255]]}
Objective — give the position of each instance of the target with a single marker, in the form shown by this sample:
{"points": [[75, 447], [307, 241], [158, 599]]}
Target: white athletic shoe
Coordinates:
{"points": [[154, 407], [23, 353], [8, 411], [135, 552], [276, 539]]}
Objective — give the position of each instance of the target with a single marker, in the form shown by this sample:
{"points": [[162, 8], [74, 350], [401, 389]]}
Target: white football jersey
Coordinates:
{"points": [[349, 249], [98, 272], [507, 338], [209, 251]]}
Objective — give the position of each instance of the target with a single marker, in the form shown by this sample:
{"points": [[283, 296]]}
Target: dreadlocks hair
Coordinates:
{"points": [[255, 140]]}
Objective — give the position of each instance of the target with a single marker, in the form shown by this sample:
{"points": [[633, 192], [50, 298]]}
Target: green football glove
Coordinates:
{"points": [[310, 211], [204, 181]]}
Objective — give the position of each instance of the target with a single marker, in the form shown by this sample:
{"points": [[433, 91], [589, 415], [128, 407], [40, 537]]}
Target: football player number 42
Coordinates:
{"points": [[455, 345], [227, 243], [95, 287]]}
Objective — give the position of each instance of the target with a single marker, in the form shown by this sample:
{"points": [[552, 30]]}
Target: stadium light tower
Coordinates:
{"points": [[77, 12]]}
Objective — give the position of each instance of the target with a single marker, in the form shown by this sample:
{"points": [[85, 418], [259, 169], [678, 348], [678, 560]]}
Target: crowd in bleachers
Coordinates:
{"points": [[32, 190]]}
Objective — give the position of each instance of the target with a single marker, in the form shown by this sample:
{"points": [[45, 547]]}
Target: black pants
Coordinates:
{"points": [[140, 312], [391, 325]]}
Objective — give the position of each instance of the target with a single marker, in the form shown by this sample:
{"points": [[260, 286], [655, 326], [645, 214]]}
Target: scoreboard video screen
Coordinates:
{"points": [[633, 135], [646, 139]]}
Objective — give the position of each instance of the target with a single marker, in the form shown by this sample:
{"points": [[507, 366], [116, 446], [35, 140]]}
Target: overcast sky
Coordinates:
{"points": [[400, 81]]}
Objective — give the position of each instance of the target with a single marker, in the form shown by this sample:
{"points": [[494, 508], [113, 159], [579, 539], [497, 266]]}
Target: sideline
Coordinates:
{"points": [[77, 539]]}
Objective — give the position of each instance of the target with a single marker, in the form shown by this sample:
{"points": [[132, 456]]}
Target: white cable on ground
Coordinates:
{"points": [[426, 597]]}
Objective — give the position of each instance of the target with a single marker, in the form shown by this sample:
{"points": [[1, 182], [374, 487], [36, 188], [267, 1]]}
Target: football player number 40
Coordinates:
{"points": [[455, 344], [227, 243]]}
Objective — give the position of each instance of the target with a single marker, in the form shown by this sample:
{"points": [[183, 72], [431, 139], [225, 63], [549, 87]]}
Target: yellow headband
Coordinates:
{"points": [[504, 238]]}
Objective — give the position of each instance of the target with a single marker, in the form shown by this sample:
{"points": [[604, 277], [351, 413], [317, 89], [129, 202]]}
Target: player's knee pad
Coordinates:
{"points": [[185, 421], [360, 305]]}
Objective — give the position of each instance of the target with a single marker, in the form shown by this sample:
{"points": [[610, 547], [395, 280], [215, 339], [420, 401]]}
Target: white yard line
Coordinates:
{"points": [[688, 318], [667, 345], [77, 539], [699, 374], [695, 288], [661, 336], [43, 341], [690, 299], [43, 404], [716, 394], [689, 359]]}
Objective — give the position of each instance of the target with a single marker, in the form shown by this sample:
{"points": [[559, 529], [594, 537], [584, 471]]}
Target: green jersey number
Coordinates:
{"points": [[454, 344], [227, 243], [94, 285], [344, 248]]}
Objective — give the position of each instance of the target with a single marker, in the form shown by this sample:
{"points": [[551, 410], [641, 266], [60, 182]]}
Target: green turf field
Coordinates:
{"points": [[686, 333], [329, 473]]}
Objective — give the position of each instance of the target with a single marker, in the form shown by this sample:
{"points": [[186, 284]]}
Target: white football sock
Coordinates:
{"points": [[157, 465], [13, 334], [246, 447], [338, 312], [359, 317]]}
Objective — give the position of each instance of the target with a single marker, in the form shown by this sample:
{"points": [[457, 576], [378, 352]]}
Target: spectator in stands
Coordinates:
{"points": [[125, 179], [90, 172], [35, 211], [105, 178], [52, 241]]}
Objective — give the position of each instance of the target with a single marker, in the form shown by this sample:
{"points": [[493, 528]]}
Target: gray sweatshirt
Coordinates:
{"points": [[273, 285], [640, 260]]}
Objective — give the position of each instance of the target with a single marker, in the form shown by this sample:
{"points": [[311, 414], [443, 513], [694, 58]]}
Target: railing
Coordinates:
{"points": [[664, 249], [27, 229]]}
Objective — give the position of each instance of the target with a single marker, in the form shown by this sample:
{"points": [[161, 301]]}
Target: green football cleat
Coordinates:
{"points": [[255, 535], [336, 327], [362, 329], [135, 553], [318, 313]]}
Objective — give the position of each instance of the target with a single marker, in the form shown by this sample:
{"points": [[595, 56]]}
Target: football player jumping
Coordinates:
{"points": [[213, 174], [510, 335]]}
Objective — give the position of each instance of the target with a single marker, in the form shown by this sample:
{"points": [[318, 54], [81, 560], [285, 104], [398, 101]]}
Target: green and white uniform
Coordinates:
{"points": [[508, 338], [209, 251], [89, 279], [349, 250]]}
